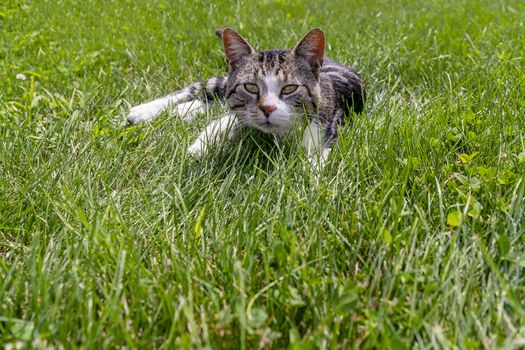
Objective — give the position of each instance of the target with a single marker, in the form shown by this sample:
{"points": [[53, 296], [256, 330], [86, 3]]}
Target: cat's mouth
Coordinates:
{"points": [[267, 125], [264, 123], [272, 128], [275, 124]]}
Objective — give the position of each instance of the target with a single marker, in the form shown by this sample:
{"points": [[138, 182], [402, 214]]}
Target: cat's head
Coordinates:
{"points": [[271, 90]]}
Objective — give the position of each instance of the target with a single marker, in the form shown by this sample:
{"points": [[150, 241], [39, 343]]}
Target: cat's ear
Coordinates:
{"points": [[311, 47], [235, 47]]}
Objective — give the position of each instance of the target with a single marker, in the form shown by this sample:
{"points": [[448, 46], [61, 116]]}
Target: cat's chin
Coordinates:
{"points": [[273, 129], [277, 127]]}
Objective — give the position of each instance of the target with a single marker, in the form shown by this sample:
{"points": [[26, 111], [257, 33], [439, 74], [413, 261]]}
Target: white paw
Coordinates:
{"points": [[144, 113], [197, 149], [188, 110]]}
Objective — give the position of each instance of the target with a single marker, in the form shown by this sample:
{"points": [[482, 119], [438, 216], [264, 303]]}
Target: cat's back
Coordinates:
{"points": [[348, 87]]}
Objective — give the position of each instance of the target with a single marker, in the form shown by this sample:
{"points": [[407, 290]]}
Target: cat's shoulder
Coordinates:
{"points": [[332, 70], [331, 66]]}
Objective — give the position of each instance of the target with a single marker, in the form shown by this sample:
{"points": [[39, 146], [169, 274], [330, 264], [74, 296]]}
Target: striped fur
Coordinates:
{"points": [[272, 91]]}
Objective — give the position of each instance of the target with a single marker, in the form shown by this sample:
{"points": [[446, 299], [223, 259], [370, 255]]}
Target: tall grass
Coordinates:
{"points": [[412, 237]]}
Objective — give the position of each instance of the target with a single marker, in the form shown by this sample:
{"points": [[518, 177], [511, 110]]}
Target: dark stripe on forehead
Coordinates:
{"points": [[277, 52], [271, 59], [281, 57]]}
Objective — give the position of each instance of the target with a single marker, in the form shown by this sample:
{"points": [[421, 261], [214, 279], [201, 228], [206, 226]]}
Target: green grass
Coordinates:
{"points": [[412, 237]]}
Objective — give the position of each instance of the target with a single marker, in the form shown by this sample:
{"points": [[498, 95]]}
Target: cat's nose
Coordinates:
{"points": [[267, 110]]}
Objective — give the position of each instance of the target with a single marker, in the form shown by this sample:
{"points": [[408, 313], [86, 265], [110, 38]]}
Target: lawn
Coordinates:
{"points": [[412, 236]]}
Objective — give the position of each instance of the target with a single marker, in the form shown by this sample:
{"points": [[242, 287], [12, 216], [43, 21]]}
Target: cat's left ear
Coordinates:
{"points": [[311, 47]]}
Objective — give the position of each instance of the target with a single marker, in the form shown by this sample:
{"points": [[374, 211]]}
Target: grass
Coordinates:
{"points": [[413, 236]]}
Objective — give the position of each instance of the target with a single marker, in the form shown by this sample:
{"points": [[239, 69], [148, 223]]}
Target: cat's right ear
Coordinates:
{"points": [[235, 47], [311, 47]]}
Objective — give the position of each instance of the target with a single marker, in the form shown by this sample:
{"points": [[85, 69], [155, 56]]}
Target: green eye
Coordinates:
{"points": [[288, 89], [251, 88]]}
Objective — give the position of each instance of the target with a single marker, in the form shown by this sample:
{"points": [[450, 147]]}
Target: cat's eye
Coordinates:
{"points": [[288, 89], [251, 88]]}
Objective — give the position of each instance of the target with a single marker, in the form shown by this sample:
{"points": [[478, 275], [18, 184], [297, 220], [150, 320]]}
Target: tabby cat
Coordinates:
{"points": [[272, 91]]}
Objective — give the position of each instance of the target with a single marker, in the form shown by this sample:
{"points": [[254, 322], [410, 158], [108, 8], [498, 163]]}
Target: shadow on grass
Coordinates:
{"points": [[252, 152]]}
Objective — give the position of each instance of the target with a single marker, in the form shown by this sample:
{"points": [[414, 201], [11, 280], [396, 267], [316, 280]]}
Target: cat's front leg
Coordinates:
{"points": [[223, 128], [146, 112], [314, 145], [186, 103]]}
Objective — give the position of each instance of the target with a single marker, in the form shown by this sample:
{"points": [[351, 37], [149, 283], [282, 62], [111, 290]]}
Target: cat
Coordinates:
{"points": [[272, 91]]}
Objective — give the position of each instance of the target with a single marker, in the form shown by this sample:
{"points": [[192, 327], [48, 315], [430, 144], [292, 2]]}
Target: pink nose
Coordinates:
{"points": [[267, 110]]}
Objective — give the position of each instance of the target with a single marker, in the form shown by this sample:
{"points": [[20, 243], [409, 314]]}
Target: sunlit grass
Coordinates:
{"points": [[412, 237]]}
